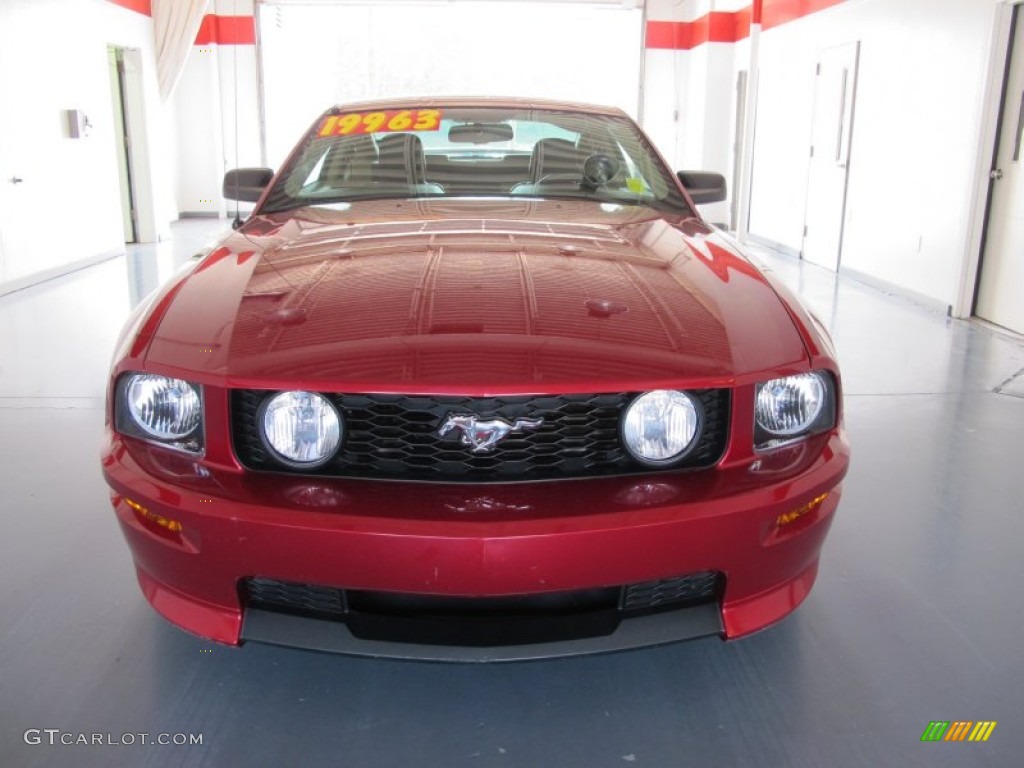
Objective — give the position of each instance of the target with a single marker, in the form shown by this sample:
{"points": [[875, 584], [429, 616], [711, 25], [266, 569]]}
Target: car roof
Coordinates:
{"points": [[415, 102]]}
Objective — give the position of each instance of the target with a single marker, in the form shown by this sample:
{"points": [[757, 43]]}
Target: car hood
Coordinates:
{"points": [[475, 297]]}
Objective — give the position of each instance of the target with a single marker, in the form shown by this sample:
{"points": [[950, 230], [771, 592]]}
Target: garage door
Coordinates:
{"points": [[317, 55]]}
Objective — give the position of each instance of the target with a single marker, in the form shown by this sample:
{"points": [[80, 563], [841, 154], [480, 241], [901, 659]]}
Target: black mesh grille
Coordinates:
{"points": [[303, 599], [651, 595], [396, 436]]}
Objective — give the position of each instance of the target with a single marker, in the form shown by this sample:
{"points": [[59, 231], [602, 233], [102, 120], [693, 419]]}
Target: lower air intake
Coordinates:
{"points": [[482, 621]]}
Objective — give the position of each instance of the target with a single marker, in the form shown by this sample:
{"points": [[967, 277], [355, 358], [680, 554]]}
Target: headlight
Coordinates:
{"points": [[660, 427], [301, 429], [793, 407], [160, 409]]}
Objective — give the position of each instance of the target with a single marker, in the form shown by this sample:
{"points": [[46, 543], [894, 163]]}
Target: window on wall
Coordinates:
{"points": [[316, 55]]}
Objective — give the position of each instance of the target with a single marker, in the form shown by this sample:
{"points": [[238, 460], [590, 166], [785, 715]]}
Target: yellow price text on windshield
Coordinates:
{"points": [[392, 121]]}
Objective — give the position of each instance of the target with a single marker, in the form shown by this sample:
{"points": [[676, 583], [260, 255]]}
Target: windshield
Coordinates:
{"points": [[474, 152]]}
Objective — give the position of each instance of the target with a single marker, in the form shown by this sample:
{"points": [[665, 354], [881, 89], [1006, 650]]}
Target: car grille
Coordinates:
{"points": [[653, 595], [482, 621], [395, 437]]}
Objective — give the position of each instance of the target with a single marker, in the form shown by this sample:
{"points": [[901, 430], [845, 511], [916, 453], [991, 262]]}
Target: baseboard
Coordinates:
{"points": [[43, 276], [922, 300], [771, 245]]}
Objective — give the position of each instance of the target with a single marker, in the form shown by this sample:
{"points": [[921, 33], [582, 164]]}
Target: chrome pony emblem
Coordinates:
{"points": [[484, 435]]}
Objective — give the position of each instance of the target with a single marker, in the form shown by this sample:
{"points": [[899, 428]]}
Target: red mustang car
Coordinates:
{"points": [[474, 381]]}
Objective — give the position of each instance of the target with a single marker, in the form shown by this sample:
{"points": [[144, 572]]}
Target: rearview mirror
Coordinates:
{"points": [[704, 187], [480, 133], [246, 184]]}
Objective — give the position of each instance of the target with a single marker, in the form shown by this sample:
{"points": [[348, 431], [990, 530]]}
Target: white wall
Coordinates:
{"points": [[239, 100], [558, 50], [919, 90], [730, 5], [664, 70], [210, 109], [53, 57], [198, 109], [689, 97], [708, 108], [666, 77]]}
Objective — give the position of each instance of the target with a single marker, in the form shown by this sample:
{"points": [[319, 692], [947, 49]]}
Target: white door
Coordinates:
{"points": [[28, 171], [22, 198], [831, 131], [1001, 287]]}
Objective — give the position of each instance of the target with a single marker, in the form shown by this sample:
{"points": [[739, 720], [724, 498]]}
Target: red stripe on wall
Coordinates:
{"points": [[227, 30], [778, 12], [721, 27], [139, 6], [756, 11], [660, 34], [715, 27], [742, 20]]}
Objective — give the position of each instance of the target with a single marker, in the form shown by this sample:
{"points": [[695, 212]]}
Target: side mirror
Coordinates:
{"points": [[704, 187], [246, 184]]}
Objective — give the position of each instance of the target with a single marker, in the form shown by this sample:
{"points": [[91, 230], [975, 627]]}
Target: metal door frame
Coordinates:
{"points": [[989, 123]]}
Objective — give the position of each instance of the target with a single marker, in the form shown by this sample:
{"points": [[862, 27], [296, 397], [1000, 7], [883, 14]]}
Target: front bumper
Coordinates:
{"points": [[473, 541]]}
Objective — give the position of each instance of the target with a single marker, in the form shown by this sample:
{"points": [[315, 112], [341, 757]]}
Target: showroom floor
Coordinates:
{"points": [[917, 614]]}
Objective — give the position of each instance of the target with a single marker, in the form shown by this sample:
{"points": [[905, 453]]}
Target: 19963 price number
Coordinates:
{"points": [[381, 122]]}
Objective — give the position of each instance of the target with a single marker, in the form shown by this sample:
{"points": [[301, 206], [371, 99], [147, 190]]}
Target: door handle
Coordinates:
{"points": [[16, 180], [1020, 128], [840, 148]]}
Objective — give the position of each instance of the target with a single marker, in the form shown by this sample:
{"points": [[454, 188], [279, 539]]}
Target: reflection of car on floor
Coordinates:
{"points": [[474, 381]]}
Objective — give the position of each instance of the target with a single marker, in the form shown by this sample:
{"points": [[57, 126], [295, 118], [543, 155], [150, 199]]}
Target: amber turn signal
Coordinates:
{"points": [[803, 509], [164, 522]]}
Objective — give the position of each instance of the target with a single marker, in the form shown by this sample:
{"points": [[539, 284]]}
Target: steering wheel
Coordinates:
{"points": [[599, 169]]}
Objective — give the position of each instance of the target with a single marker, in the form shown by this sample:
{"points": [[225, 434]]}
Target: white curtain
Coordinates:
{"points": [[175, 25]]}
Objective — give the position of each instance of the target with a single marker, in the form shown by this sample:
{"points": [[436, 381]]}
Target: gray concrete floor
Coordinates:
{"points": [[917, 614]]}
